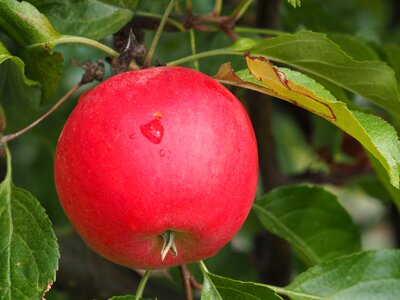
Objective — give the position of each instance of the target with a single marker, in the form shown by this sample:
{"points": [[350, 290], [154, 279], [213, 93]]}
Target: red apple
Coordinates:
{"points": [[152, 156]]}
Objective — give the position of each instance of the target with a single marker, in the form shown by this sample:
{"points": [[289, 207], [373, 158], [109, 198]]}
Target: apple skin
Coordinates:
{"points": [[159, 149]]}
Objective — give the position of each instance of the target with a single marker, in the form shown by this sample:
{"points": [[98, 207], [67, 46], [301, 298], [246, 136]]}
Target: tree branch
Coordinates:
{"points": [[272, 253]]}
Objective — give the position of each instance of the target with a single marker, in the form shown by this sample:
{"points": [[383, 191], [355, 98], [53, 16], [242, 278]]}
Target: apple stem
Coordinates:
{"points": [[169, 244], [142, 285]]}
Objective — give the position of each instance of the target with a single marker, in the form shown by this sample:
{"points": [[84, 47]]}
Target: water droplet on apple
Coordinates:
{"points": [[132, 136], [153, 130], [162, 152]]}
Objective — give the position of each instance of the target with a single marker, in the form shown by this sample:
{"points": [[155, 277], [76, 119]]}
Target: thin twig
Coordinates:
{"points": [[208, 23], [187, 286], [195, 284], [212, 19], [229, 32], [14, 135], [156, 38]]}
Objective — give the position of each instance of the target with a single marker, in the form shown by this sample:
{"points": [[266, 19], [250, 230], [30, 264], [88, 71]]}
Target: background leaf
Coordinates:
{"points": [[327, 139], [93, 19], [311, 219], [28, 247], [376, 135], [363, 276], [369, 19], [316, 54], [294, 154], [384, 179]]}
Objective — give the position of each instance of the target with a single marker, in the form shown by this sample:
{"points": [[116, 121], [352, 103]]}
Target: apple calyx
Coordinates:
{"points": [[169, 244]]}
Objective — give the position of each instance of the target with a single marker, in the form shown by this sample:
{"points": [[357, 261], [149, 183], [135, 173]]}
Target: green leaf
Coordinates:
{"points": [[314, 53], [93, 19], [30, 28], [28, 246], [219, 288], [25, 23], [353, 46], [369, 275], [45, 67], [375, 134], [392, 53], [311, 220], [20, 96]]}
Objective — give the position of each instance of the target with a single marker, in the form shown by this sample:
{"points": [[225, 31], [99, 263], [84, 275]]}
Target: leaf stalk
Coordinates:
{"points": [[205, 54], [66, 39], [142, 285], [157, 36], [14, 135]]}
